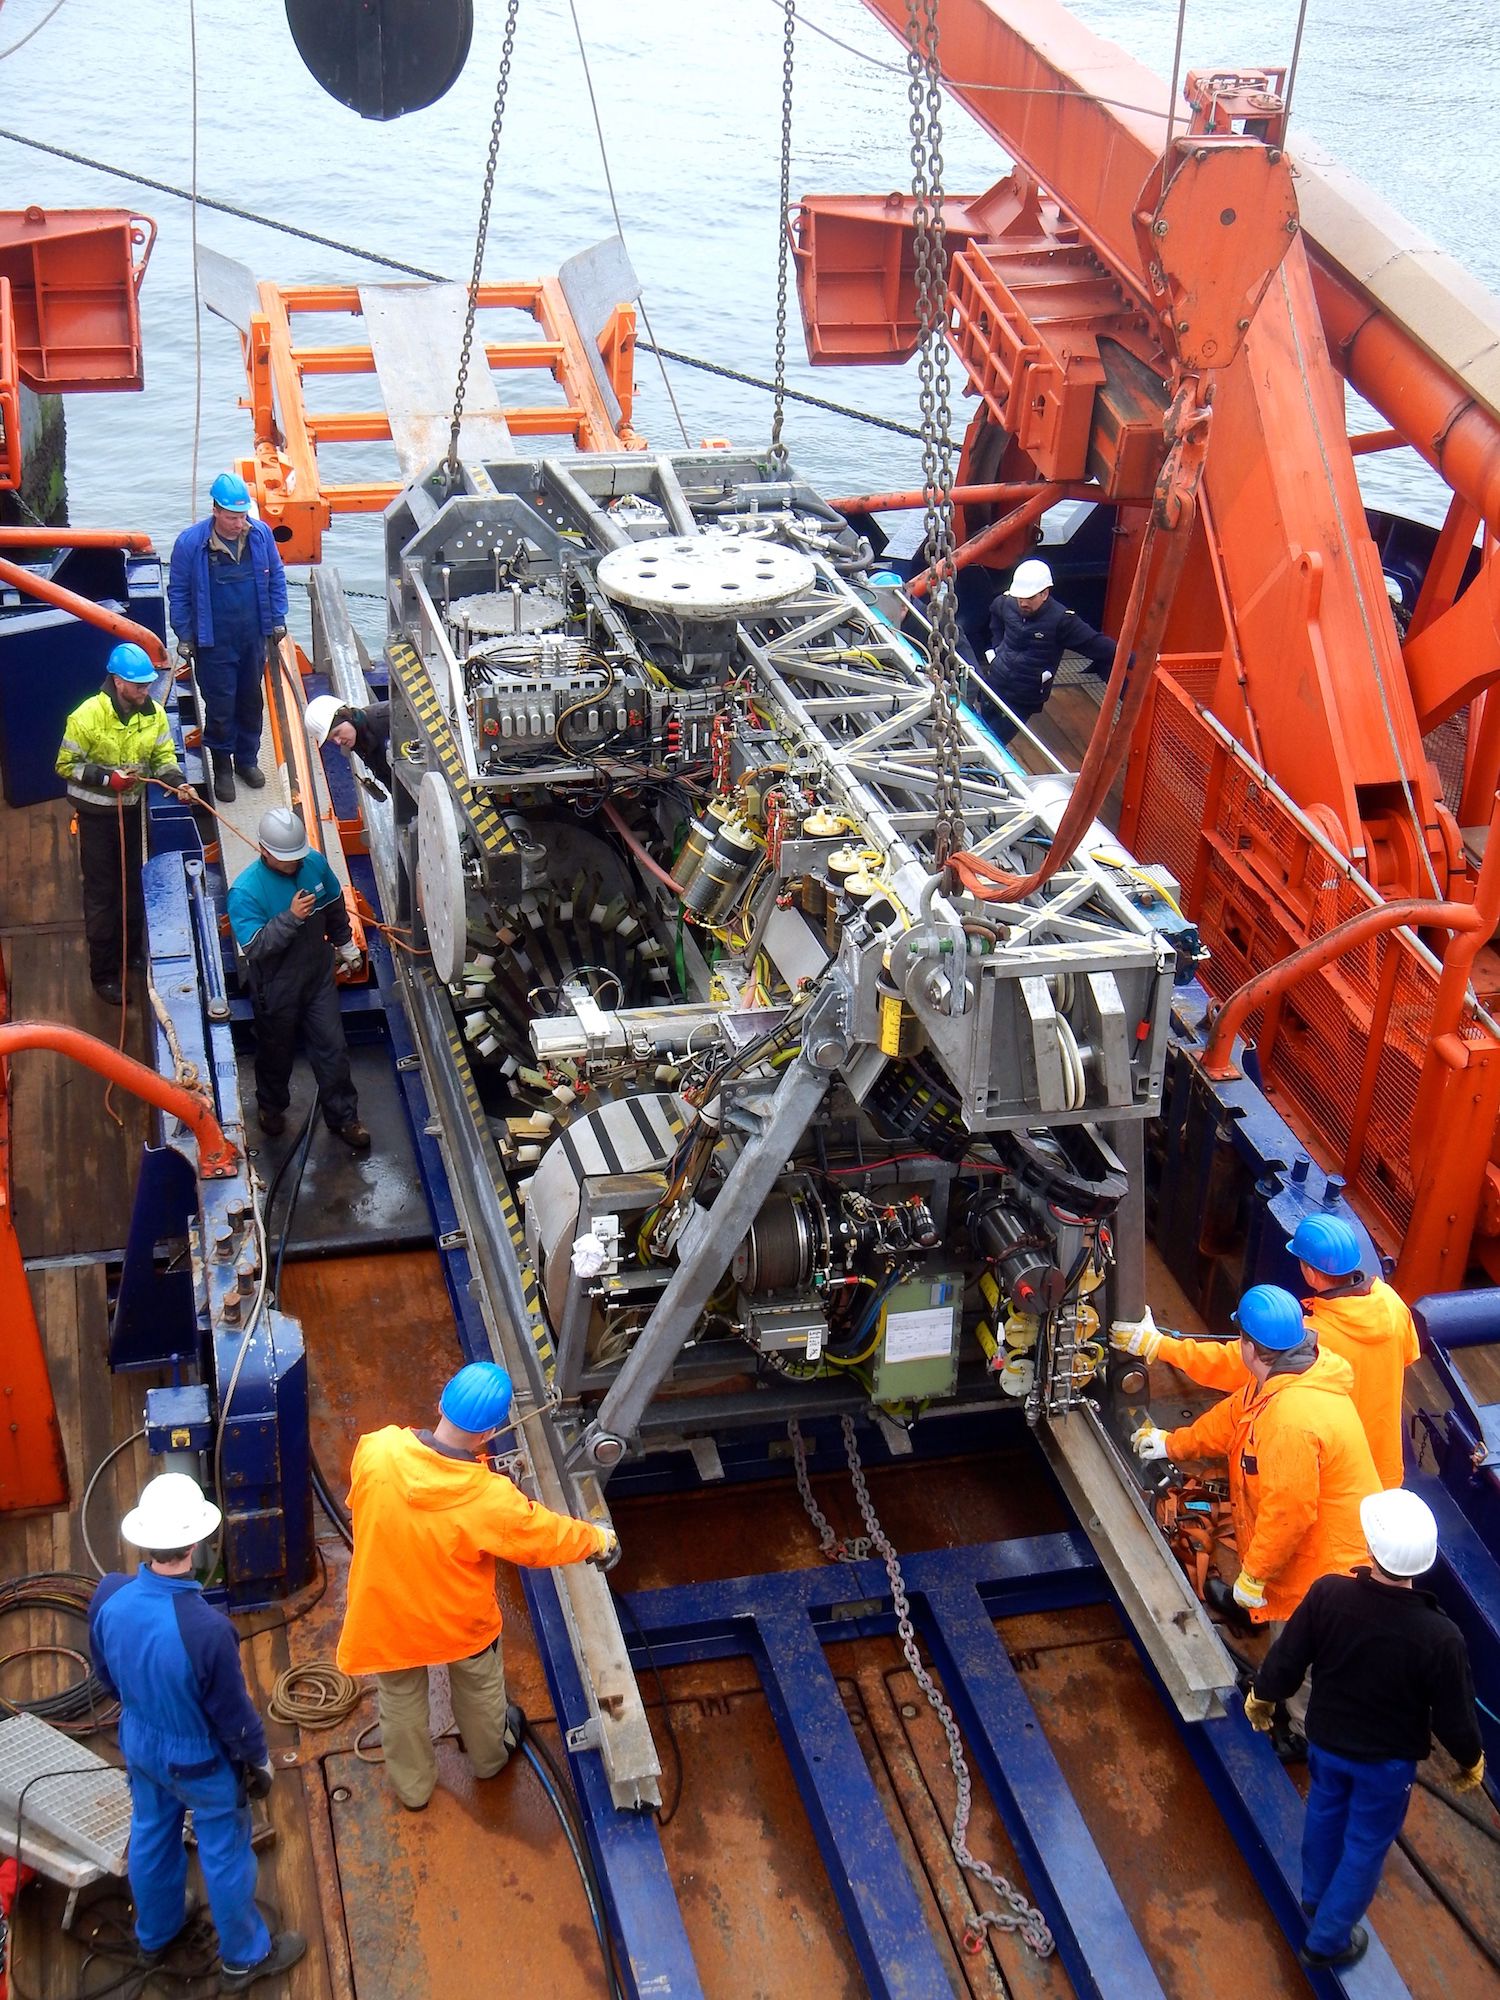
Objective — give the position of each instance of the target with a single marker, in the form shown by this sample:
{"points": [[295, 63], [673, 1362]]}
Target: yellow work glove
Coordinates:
{"points": [[1148, 1443], [1258, 1713], [608, 1552], [1136, 1336], [1249, 1591], [1472, 1779]]}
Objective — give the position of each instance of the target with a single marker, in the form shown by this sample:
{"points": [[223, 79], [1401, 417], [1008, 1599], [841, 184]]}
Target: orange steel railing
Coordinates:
{"points": [[1382, 1060], [291, 490], [10, 395], [113, 622]]}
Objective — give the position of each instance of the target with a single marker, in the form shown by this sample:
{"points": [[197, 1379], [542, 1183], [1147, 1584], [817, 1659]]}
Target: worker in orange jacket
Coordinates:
{"points": [[1366, 1322], [1298, 1460], [1362, 1319], [430, 1519]]}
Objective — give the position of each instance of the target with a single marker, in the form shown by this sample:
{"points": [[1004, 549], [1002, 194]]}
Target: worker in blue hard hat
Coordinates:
{"points": [[111, 744], [227, 598], [1298, 1460], [285, 911], [190, 1735], [430, 1519], [1367, 1322], [1389, 1672], [1351, 1315]]}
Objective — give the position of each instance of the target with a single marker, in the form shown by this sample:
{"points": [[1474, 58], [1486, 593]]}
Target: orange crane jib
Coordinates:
{"points": [[1276, 760]]}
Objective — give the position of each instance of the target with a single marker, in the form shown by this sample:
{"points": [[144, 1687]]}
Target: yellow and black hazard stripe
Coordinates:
{"points": [[531, 1291], [490, 832]]}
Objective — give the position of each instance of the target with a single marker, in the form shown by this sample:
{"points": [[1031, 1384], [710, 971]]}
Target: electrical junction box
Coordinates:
{"points": [[919, 1329], [178, 1419]]}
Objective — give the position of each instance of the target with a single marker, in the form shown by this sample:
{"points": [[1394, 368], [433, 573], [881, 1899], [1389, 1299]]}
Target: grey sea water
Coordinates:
{"points": [[689, 94]]}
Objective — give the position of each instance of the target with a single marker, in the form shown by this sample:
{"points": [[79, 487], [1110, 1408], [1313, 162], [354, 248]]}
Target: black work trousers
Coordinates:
{"points": [[115, 928], [315, 1016]]}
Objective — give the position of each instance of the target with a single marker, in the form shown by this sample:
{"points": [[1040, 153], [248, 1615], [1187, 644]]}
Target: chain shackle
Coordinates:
{"points": [[507, 50], [779, 455]]}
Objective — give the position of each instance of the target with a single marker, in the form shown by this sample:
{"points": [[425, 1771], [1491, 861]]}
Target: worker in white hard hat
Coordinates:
{"points": [[359, 732], [1389, 1672], [285, 911], [190, 1735], [1029, 633]]}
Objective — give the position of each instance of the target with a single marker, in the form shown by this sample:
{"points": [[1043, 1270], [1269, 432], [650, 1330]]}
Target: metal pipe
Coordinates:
{"points": [[113, 622], [218, 1159], [979, 546], [210, 957], [963, 496], [76, 538], [1217, 1060]]}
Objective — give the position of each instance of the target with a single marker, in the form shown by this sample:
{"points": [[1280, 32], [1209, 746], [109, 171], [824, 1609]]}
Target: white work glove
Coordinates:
{"points": [[1136, 1336], [1149, 1443], [1249, 1592], [350, 956], [608, 1552]]}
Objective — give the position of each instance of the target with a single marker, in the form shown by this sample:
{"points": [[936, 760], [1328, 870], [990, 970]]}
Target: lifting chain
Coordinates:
{"points": [[924, 93], [465, 353], [788, 57], [1017, 1914]]}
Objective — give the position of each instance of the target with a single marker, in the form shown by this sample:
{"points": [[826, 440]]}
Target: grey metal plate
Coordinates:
{"points": [[594, 283], [416, 332], [713, 576]]}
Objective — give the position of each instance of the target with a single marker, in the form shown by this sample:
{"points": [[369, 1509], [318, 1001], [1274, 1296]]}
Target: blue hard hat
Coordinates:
{"points": [[1271, 1318], [230, 492], [129, 662], [1328, 1244], [477, 1398]]}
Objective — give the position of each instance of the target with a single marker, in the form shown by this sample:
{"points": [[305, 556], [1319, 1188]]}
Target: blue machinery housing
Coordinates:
{"points": [[1227, 1183]]}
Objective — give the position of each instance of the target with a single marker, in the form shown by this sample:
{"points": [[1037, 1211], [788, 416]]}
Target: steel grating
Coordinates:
{"points": [[49, 1781]]}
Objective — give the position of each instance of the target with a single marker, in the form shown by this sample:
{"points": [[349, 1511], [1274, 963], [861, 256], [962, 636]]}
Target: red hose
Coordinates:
{"points": [[654, 868]]}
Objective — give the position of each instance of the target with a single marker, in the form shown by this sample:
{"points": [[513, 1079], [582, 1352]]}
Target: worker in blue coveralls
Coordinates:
{"points": [[227, 597], [190, 1736], [285, 911], [1029, 633]]}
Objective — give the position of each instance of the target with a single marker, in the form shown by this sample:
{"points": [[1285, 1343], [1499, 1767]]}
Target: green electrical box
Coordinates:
{"points": [[919, 1329]]}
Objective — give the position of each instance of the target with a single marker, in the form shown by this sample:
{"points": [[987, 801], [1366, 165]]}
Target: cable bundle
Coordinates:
{"points": [[84, 1707]]}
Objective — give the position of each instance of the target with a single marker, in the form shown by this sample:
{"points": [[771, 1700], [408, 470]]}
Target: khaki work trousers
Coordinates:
{"points": [[478, 1687]]}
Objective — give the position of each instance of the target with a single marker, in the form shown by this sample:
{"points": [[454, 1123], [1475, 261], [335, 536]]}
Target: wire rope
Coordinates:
{"points": [[193, 251], [31, 32]]}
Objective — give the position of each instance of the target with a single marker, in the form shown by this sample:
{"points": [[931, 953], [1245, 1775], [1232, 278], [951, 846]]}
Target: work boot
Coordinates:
{"points": [[286, 1948], [223, 778], [1287, 1740], [251, 772], [272, 1123], [515, 1725], [355, 1136], [109, 991], [1337, 1961]]}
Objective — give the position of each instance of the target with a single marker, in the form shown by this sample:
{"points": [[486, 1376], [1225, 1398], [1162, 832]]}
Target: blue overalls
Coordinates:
{"points": [[229, 671], [186, 1724]]}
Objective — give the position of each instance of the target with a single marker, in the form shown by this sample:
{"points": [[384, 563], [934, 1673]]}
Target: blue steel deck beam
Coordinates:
{"points": [[1466, 1583], [784, 1620], [642, 1908]]}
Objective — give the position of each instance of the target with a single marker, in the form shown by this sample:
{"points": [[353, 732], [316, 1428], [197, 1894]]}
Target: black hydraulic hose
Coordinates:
{"points": [[1462, 1807], [552, 1784], [1461, 1917]]}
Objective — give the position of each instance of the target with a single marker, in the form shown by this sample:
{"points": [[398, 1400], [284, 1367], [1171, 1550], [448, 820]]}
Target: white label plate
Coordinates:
{"points": [[919, 1336]]}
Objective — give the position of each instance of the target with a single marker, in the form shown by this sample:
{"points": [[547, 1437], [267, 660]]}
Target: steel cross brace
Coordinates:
{"points": [[784, 1620]]}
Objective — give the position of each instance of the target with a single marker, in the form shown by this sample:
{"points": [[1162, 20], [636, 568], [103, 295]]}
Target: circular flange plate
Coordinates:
{"points": [[714, 576], [440, 877]]}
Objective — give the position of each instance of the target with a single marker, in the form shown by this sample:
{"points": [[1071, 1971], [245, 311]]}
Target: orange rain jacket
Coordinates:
{"points": [[1299, 1465], [427, 1530], [1369, 1325]]}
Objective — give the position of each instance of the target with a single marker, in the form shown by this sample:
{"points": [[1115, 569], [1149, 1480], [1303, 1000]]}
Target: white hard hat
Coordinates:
{"points": [[1400, 1530], [282, 833], [172, 1514], [321, 711], [1030, 580]]}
